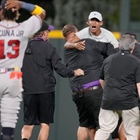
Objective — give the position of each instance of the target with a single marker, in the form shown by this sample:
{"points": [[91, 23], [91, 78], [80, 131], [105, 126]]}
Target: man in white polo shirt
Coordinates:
{"points": [[93, 31]]}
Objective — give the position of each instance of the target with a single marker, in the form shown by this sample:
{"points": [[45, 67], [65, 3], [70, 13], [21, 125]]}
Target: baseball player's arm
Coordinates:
{"points": [[72, 43], [33, 9]]}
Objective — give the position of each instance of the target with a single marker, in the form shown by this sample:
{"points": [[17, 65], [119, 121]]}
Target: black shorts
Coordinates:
{"points": [[88, 107], [38, 108]]}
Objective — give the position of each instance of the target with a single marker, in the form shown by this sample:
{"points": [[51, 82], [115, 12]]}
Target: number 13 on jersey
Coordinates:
{"points": [[14, 53]]}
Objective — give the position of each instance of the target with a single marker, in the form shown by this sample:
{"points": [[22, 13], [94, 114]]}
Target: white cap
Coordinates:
{"points": [[95, 14]]}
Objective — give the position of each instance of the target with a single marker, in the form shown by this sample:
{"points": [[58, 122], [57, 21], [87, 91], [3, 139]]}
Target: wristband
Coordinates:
{"points": [[37, 11], [28, 6]]}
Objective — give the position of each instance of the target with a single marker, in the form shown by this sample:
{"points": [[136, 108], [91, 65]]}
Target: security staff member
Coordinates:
{"points": [[120, 78], [39, 63], [87, 92]]}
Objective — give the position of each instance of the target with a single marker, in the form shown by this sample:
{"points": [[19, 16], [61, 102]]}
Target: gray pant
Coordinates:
{"points": [[10, 98], [108, 121]]}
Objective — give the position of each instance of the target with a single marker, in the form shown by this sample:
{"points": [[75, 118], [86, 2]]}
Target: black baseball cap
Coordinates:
{"points": [[45, 26]]}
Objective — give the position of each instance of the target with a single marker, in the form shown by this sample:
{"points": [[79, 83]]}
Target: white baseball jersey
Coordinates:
{"points": [[105, 36], [13, 40]]}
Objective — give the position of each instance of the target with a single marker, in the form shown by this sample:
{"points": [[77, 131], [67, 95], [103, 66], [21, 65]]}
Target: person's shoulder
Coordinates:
{"points": [[110, 57], [32, 18], [30, 22], [47, 43], [109, 37], [82, 33], [83, 30], [106, 31], [47, 47], [42, 43], [135, 57]]}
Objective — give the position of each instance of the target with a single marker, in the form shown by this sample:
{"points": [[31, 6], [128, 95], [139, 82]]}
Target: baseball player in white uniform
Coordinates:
{"points": [[13, 41]]}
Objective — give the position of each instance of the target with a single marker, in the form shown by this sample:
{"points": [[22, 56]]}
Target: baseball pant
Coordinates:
{"points": [[10, 96], [108, 121]]}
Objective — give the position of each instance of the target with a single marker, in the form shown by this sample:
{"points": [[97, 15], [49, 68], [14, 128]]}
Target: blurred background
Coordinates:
{"points": [[119, 16]]}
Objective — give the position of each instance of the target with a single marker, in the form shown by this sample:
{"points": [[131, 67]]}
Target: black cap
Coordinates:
{"points": [[45, 26]]}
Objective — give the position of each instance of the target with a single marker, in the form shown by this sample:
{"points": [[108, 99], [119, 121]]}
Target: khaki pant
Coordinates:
{"points": [[108, 121]]}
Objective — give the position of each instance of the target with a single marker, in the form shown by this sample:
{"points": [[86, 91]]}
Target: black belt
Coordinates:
{"points": [[85, 90], [4, 70]]}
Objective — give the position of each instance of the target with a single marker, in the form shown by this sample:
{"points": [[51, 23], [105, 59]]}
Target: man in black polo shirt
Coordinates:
{"points": [[120, 79], [136, 52], [40, 61], [87, 92]]}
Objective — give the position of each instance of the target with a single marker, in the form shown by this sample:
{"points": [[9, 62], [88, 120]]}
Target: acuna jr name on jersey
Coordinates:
{"points": [[18, 33]]}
